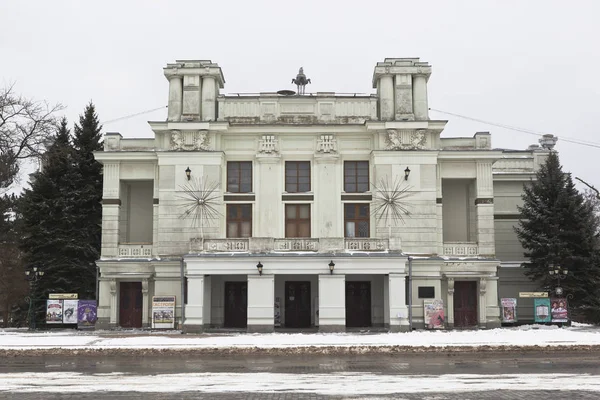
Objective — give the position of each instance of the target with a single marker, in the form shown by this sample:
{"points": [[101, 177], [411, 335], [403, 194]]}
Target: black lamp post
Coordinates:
{"points": [[259, 267], [32, 274], [559, 273], [331, 267]]}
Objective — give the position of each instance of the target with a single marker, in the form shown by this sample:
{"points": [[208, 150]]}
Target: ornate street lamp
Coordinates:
{"points": [[32, 274], [557, 272], [259, 267], [331, 267]]}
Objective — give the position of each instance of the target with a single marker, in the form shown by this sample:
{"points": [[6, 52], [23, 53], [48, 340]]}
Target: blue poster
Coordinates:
{"points": [[86, 314], [542, 310]]}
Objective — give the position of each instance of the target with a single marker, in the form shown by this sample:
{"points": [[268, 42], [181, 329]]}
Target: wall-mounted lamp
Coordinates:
{"points": [[259, 266], [406, 173], [188, 173], [331, 267]]}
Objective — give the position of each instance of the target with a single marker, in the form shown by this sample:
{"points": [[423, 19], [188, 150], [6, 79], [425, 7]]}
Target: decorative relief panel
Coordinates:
{"points": [[406, 139], [189, 140], [327, 144], [268, 144]]}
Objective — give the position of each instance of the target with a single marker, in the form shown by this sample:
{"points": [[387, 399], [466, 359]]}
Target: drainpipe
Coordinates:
{"points": [[97, 284], [410, 293], [181, 266]]}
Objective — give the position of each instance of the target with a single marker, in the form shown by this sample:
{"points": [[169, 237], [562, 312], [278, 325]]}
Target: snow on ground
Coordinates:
{"points": [[528, 335], [356, 383]]}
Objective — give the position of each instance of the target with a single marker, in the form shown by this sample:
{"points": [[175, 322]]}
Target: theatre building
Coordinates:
{"points": [[306, 210]]}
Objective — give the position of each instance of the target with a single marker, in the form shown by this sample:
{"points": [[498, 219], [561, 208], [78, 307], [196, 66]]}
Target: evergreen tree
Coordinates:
{"points": [[558, 226]]}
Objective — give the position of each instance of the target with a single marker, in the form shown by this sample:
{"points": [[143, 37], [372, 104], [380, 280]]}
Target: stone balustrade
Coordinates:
{"points": [[135, 250], [366, 244], [461, 249], [297, 244]]}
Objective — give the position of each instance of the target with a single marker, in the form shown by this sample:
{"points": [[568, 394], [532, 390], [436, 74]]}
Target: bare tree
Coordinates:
{"points": [[24, 126]]}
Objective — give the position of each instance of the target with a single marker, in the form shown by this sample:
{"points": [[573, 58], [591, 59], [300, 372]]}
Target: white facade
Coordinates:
{"points": [[319, 165]]}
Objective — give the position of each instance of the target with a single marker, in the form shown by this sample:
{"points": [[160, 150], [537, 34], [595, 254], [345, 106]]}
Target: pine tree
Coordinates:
{"points": [[558, 226]]}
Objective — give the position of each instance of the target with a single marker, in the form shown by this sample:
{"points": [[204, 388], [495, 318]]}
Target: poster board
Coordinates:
{"points": [[558, 310], [541, 310], [87, 314], [54, 311], [434, 314], [70, 311], [509, 310], [163, 312]]}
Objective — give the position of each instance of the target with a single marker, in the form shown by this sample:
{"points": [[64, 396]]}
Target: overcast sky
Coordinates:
{"points": [[529, 64]]}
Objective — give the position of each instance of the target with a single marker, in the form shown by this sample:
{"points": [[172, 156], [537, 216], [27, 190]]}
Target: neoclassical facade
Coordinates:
{"points": [[269, 210]]}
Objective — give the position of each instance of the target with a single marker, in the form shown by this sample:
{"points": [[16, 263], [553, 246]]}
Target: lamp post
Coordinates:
{"points": [[559, 273], [32, 274]]}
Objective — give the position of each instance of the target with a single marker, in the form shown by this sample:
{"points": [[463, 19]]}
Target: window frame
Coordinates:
{"points": [[239, 178], [297, 177], [351, 171], [238, 220], [423, 292], [297, 221], [357, 219]]}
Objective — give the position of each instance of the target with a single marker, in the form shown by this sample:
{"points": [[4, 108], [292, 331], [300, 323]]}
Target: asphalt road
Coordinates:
{"points": [[36, 375]]}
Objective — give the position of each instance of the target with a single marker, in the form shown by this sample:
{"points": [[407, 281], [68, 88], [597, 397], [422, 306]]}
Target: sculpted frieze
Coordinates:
{"points": [[189, 140], [406, 140]]}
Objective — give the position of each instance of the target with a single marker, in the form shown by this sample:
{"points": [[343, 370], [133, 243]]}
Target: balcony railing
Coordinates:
{"points": [[227, 245], [296, 244], [366, 244], [461, 249], [135, 250]]}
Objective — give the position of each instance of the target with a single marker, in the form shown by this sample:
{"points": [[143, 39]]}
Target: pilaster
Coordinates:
{"points": [[261, 303], [175, 97], [209, 99], [397, 303], [386, 97], [492, 307], [482, 302], [113, 302], [194, 309], [403, 99], [450, 304], [332, 303], [192, 86], [327, 186], [484, 204], [145, 304], [421, 109], [267, 186]]}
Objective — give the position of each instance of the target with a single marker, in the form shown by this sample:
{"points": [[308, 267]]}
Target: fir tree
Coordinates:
{"points": [[558, 226]]}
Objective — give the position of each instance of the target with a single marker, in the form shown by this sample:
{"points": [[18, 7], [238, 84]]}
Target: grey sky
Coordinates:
{"points": [[531, 64]]}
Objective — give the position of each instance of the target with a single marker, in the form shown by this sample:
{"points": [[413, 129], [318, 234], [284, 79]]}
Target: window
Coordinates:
{"points": [[239, 220], [239, 176], [297, 220], [356, 176], [426, 292], [356, 220], [297, 176]]}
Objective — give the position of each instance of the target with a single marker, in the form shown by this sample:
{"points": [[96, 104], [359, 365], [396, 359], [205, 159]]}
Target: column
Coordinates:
{"points": [[386, 98], [192, 86], [482, 303], [111, 208], [194, 309], [420, 97], [403, 100], [439, 210], [175, 98], [145, 304], [398, 309], [450, 304], [261, 303], [493, 319], [155, 211], [332, 303], [209, 99], [484, 204]]}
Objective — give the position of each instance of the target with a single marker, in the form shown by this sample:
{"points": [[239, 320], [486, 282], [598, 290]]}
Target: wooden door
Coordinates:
{"points": [[465, 304], [358, 304], [297, 304], [236, 305], [130, 304]]}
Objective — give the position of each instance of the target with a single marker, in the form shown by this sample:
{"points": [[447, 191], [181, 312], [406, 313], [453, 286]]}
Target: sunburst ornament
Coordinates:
{"points": [[389, 200], [199, 201]]}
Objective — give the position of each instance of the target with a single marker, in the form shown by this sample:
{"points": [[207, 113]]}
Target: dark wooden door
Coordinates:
{"points": [[236, 304], [297, 304], [465, 304], [130, 304], [358, 304]]}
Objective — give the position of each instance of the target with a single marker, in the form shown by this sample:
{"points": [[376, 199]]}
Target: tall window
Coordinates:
{"points": [[297, 220], [239, 220], [356, 176], [297, 176], [356, 220], [239, 176]]}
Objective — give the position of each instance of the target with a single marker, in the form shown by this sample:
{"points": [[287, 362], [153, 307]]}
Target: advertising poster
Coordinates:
{"points": [[54, 313], [434, 314], [558, 310], [69, 311], [277, 311], [509, 309], [542, 310], [86, 314], [163, 312]]}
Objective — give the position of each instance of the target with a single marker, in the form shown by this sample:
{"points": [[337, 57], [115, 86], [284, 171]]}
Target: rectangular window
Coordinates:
{"points": [[239, 176], [297, 176], [297, 220], [426, 292], [239, 220], [356, 176], [356, 220]]}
